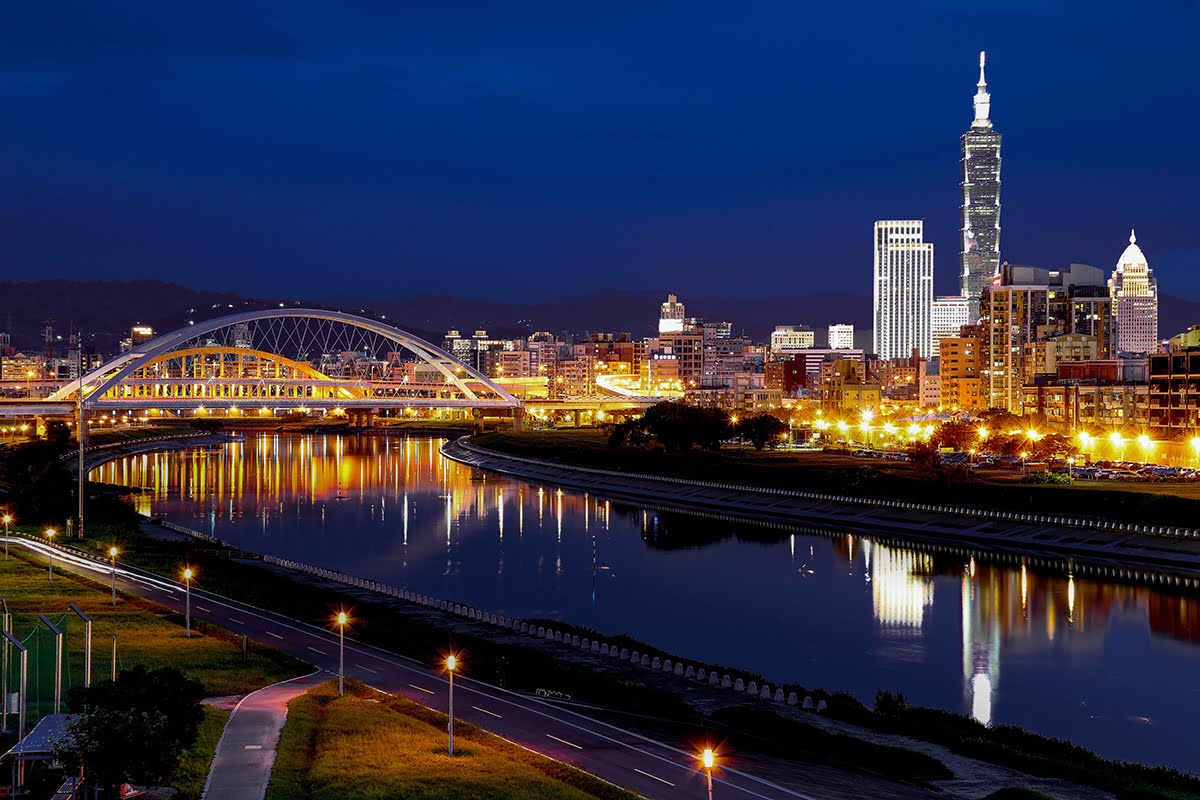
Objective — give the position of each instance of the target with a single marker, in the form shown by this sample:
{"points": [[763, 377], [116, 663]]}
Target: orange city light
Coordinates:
{"points": [[451, 661], [342, 618], [112, 552], [707, 756]]}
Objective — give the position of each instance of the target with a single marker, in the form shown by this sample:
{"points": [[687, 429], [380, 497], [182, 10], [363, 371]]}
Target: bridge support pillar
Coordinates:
{"points": [[369, 417], [578, 417], [477, 420], [518, 419]]}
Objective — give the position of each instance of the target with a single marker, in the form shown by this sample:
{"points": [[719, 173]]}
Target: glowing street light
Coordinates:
{"points": [[1146, 443], [112, 559], [7, 519], [707, 758], [451, 663], [50, 535], [187, 583], [342, 619], [1024, 456]]}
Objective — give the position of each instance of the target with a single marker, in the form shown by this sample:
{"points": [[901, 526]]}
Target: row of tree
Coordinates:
{"points": [[678, 427]]}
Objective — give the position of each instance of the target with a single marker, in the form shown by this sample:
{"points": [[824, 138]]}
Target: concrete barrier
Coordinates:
{"points": [[645, 660], [821, 706], [765, 692], [752, 688], [679, 670], [624, 653], [656, 663], [585, 644], [667, 665], [701, 674], [739, 685], [808, 704], [604, 649], [689, 672], [792, 698], [575, 641]]}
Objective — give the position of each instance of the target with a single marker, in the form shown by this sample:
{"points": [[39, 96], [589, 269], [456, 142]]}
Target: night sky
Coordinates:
{"points": [[529, 150]]}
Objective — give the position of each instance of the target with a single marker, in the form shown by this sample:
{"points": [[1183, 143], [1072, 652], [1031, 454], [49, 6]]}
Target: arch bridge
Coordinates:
{"points": [[285, 359]]}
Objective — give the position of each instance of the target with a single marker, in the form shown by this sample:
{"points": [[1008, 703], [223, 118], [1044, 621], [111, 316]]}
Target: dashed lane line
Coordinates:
{"points": [[315, 650], [572, 744], [648, 775], [368, 669], [276, 635], [421, 688], [485, 711]]}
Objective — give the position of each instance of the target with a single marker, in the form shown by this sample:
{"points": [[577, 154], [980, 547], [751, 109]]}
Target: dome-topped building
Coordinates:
{"points": [[1134, 293]]}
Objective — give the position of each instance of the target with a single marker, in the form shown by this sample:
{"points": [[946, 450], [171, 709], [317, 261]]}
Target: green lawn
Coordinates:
{"points": [[146, 633], [371, 746], [196, 760]]}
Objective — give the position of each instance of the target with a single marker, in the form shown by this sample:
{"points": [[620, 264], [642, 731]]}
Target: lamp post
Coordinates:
{"points": [[187, 603], [50, 535], [112, 558], [341, 621], [7, 519], [1024, 455], [707, 757], [451, 662]]}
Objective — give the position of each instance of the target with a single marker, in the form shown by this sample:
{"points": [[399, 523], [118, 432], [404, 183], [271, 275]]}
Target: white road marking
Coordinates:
{"points": [[368, 669], [421, 688], [235, 619], [276, 635], [484, 710], [571, 744], [253, 747], [205, 610], [648, 775], [315, 650]]}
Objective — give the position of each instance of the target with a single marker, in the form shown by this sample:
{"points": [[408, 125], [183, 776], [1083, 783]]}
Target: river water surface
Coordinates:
{"points": [[1114, 667]]}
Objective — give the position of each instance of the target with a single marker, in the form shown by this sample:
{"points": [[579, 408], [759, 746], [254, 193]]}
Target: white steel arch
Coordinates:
{"points": [[312, 329]]}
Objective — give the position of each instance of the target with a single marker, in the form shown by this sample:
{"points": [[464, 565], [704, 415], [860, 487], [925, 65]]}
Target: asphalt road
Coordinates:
{"points": [[650, 768]]}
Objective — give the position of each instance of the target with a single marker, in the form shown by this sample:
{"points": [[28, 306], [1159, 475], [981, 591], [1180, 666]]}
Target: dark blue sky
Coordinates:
{"points": [[529, 150]]}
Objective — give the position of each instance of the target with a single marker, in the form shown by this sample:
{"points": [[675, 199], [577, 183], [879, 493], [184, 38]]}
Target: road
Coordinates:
{"points": [[650, 768]]}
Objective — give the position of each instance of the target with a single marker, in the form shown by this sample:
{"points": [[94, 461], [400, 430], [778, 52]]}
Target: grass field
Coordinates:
{"points": [[194, 765], [145, 633], [371, 746]]}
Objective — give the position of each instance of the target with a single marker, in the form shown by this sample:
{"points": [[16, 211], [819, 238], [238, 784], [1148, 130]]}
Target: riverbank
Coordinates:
{"points": [[1164, 555]]}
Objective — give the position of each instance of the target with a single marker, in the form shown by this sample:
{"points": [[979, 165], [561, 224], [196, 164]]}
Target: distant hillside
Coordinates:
{"points": [[106, 310]]}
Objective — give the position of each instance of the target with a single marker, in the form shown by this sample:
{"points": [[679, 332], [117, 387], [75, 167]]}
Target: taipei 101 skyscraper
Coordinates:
{"points": [[980, 197]]}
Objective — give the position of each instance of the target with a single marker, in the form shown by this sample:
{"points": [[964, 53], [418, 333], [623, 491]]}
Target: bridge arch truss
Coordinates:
{"points": [[286, 358]]}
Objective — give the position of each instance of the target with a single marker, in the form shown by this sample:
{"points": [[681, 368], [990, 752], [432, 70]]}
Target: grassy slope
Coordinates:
{"points": [[196, 760], [366, 745], [210, 656]]}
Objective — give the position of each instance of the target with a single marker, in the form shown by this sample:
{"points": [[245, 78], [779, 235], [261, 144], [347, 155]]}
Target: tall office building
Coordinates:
{"points": [[841, 336], [949, 315], [903, 289], [671, 316], [1134, 292], [980, 236]]}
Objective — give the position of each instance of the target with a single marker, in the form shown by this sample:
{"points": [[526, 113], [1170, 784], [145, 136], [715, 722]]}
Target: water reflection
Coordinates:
{"points": [[1112, 666]]}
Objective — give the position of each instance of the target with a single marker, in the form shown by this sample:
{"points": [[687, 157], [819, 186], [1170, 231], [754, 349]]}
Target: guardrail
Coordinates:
{"points": [[1006, 516], [657, 663], [133, 442]]}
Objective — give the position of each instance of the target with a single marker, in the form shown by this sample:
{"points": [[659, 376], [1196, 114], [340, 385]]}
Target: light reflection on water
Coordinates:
{"points": [[1112, 666]]}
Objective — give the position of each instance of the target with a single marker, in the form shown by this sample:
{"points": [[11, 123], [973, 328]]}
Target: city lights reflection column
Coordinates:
{"points": [[187, 603], [451, 663], [341, 621], [112, 558], [50, 535]]}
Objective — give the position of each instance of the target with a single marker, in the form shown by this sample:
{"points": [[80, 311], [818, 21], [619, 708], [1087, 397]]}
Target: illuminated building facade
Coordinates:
{"points": [[903, 289], [841, 337], [1134, 292], [959, 368], [671, 316], [949, 315], [980, 210]]}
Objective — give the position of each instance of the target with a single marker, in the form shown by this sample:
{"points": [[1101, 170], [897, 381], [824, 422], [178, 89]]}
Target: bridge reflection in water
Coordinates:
{"points": [[1109, 665]]}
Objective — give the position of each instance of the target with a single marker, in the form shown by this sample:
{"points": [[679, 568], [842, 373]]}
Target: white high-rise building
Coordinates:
{"points": [[671, 317], [1134, 293], [903, 289], [949, 315], [841, 337]]}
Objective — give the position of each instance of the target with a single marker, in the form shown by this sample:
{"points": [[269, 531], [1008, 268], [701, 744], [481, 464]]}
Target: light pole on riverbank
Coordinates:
{"points": [[451, 663], [342, 619], [112, 558], [7, 519], [187, 588], [50, 535], [707, 758]]}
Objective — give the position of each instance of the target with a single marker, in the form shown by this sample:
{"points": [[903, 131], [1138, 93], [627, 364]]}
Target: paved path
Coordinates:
{"points": [[242, 766]]}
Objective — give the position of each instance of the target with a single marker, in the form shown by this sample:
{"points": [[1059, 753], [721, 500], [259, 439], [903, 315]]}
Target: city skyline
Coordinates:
{"points": [[202, 160]]}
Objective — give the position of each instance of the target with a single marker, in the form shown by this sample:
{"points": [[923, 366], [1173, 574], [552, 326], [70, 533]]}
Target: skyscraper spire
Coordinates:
{"points": [[983, 100]]}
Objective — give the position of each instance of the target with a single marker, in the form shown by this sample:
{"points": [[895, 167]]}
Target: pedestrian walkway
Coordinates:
{"points": [[246, 752]]}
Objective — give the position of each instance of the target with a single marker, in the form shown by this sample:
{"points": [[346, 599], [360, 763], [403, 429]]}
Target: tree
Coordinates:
{"points": [[678, 426], [58, 432], [208, 425], [997, 419], [762, 430], [135, 728], [958, 434]]}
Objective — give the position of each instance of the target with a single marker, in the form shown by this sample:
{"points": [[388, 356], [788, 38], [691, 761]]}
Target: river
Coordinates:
{"points": [[1114, 667]]}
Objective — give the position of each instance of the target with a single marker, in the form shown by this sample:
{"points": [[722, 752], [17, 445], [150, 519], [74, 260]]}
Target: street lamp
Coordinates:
{"points": [[451, 663], [112, 558], [7, 519], [1024, 455], [342, 619], [50, 535], [707, 758], [187, 584]]}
